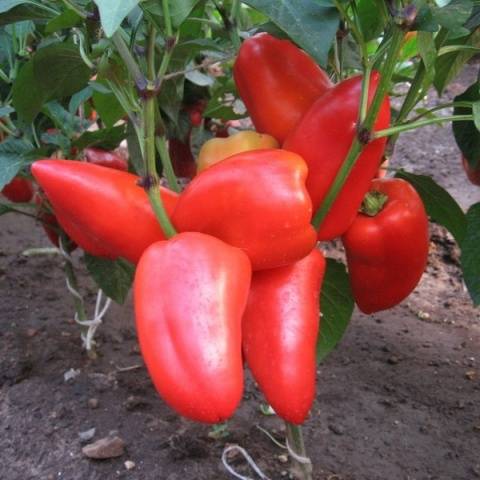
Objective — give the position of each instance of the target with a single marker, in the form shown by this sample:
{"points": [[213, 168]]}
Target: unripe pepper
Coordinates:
{"points": [[19, 190], [278, 83], [323, 138], [217, 149], [190, 293], [102, 210], [256, 201], [97, 156], [387, 252], [280, 329]]}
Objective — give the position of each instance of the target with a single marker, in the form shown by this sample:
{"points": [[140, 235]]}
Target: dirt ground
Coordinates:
{"points": [[399, 399]]}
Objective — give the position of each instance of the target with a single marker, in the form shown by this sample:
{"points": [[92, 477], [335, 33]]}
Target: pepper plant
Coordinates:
{"points": [[224, 247]]}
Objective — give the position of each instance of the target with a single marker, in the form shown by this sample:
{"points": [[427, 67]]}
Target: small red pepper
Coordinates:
{"points": [[19, 190], [190, 293], [323, 138], [280, 329], [278, 83], [97, 156], [387, 253], [256, 201], [102, 210]]}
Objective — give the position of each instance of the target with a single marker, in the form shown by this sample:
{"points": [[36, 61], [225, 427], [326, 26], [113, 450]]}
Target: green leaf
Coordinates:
{"points": [[27, 11], [135, 158], [113, 12], [108, 108], [453, 16], [6, 111], [66, 19], [466, 133], [114, 277], [448, 66], [79, 98], [309, 23], [371, 19], [428, 53], [12, 158], [470, 257], [64, 120], [4, 208], [336, 305], [179, 11], [107, 138], [59, 70], [7, 5], [27, 97], [441, 207]]}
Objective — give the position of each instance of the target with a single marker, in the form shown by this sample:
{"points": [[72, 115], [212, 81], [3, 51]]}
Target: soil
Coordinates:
{"points": [[398, 399]]}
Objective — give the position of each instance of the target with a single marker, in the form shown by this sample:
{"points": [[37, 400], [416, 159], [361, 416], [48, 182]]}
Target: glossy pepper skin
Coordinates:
{"points": [[104, 158], [102, 210], [19, 190], [280, 329], [323, 138], [190, 293], [387, 254], [256, 201], [217, 149], [278, 83]]}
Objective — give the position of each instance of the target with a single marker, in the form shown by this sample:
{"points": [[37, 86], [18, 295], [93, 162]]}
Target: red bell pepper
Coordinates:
{"points": [[97, 156], [256, 201], [278, 83], [19, 190], [102, 210], [280, 329], [323, 138], [190, 293], [387, 253]]}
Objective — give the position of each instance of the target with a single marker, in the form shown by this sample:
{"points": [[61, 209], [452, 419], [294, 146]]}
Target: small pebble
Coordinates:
{"points": [[283, 458], [470, 374], [107, 447], [129, 465], [93, 403]]}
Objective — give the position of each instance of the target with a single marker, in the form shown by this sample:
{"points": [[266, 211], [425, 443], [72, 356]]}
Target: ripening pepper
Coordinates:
{"points": [[19, 190], [473, 173], [190, 293], [387, 252], [256, 201], [102, 210], [323, 138], [218, 149], [280, 329], [97, 156], [278, 83]]}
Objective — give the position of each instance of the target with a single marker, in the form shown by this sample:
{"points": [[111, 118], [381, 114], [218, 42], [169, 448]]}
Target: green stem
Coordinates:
{"points": [[127, 57], [168, 19], [161, 144], [364, 94], [6, 129], [441, 107], [295, 442], [356, 147], [149, 142], [4, 76], [422, 123]]}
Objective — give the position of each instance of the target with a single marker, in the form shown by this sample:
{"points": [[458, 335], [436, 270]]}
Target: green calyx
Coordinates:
{"points": [[373, 203]]}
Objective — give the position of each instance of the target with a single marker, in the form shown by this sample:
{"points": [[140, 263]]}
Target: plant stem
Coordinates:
{"points": [[356, 147], [6, 129], [127, 57], [167, 18], [149, 142], [162, 149], [422, 123], [297, 445]]}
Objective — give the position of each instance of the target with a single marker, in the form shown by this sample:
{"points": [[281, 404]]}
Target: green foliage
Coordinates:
{"points": [[470, 258], [309, 23], [13, 156], [114, 277], [441, 207], [106, 138], [336, 305]]}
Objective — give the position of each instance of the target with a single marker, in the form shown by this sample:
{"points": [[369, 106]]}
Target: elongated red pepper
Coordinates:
{"points": [[278, 83], [323, 138], [97, 156], [190, 293], [102, 210], [19, 190], [280, 329], [387, 253], [256, 201]]}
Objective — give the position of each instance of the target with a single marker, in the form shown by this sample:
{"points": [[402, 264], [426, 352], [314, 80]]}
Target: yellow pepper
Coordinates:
{"points": [[218, 149]]}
